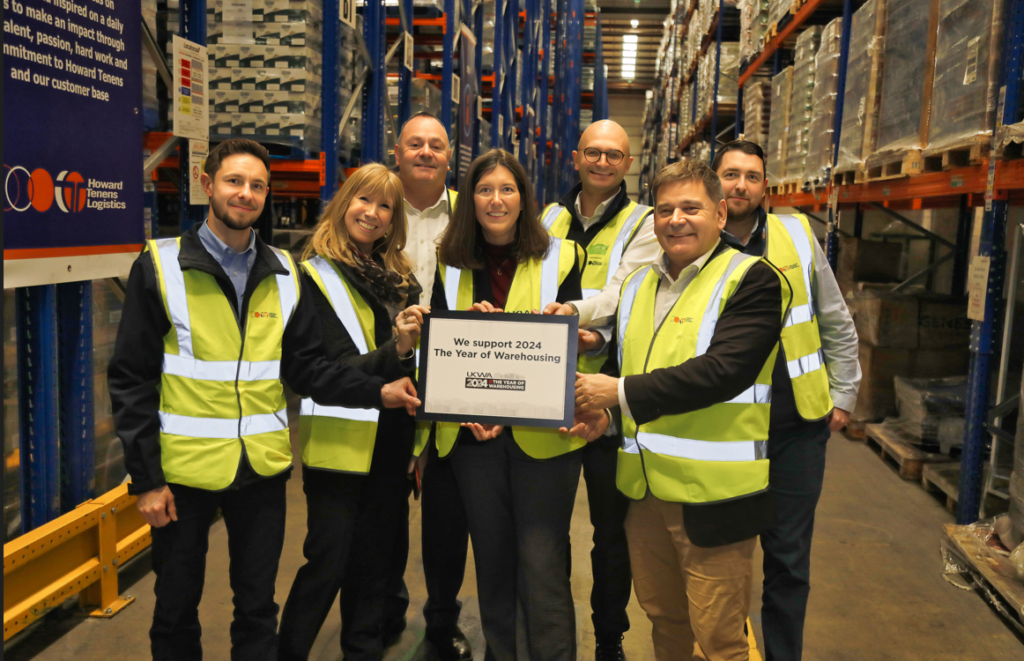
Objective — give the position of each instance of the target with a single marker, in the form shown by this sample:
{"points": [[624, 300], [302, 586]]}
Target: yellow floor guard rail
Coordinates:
{"points": [[78, 553]]}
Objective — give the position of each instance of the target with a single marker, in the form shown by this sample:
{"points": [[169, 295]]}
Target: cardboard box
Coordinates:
{"points": [[885, 320], [861, 260], [942, 323], [879, 366]]}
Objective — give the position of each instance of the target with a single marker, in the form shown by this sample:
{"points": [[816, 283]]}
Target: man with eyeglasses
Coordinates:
{"points": [[618, 235], [814, 386]]}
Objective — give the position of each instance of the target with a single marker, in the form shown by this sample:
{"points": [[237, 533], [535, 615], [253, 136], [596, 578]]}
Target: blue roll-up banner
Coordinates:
{"points": [[72, 136]]}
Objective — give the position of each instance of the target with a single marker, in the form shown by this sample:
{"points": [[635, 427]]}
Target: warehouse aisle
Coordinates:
{"points": [[878, 592]]}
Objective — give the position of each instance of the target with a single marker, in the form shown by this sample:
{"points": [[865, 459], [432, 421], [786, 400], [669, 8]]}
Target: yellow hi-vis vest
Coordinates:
{"points": [[335, 437], [603, 254], [221, 389], [709, 455], [535, 284], [791, 249], [422, 435]]}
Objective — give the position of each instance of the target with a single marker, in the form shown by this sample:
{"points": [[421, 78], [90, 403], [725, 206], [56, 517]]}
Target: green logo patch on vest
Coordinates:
{"points": [[597, 249]]}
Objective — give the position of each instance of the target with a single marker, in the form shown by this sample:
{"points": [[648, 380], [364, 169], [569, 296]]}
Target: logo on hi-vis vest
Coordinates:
{"points": [[264, 315], [791, 267], [682, 320]]}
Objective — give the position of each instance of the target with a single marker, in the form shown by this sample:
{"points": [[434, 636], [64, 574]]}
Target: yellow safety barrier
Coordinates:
{"points": [[78, 553]]}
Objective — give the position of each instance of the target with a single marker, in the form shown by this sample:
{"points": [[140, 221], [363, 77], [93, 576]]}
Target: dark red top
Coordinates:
{"points": [[500, 268]]}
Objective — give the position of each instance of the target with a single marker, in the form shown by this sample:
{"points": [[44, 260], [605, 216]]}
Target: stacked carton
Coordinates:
{"points": [[826, 80], [778, 127], [801, 103], [757, 106], [753, 26], [863, 78]]}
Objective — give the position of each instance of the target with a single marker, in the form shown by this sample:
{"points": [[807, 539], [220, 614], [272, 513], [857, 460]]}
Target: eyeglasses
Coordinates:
{"points": [[593, 155]]}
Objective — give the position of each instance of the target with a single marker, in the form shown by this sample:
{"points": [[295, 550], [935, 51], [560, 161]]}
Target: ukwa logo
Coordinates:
{"points": [[38, 190]]}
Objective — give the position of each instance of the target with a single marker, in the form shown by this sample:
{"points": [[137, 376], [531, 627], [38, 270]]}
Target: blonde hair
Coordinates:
{"points": [[331, 238]]}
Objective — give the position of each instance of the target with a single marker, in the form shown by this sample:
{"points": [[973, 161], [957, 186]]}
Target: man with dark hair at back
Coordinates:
{"points": [[814, 387], [213, 322]]}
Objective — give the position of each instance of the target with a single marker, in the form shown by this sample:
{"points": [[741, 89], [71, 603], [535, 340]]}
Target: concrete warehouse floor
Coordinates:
{"points": [[877, 588]]}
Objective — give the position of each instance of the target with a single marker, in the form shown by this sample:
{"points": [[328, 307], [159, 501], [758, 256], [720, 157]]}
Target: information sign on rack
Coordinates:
{"points": [[198, 150], [73, 197], [191, 116]]}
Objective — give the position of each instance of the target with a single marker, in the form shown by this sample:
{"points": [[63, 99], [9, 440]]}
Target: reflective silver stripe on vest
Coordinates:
{"points": [[805, 251], [452, 277], [549, 274], [799, 315], [713, 311], [177, 303], [345, 310], [755, 394], [341, 302], [619, 246], [309, 407], [806, 364], [250, 425], [221, 370], [551, 216], [688, 448], [287, 290], [626, 305]]}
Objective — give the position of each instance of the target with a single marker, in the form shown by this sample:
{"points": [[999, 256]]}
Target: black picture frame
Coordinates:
{"points": [[572, 324]]}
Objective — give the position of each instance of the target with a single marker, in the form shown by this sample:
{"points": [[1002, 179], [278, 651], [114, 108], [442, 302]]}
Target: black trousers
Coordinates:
{"points": [[254, 517], [519, 510], [609, 558], [350, 519], [445, 542], [796, 474]]}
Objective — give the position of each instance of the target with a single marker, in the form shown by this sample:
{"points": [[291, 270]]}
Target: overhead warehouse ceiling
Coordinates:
{"points": [[629, 23]]}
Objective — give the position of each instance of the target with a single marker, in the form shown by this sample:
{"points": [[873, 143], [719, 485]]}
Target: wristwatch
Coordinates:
{"points": [[575, 310]]}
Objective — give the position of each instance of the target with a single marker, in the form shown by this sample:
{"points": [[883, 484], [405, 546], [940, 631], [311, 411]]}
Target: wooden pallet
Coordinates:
{"points": [[943, 480], [845, 178], [958, 157], [892, 446], [856, 430], [769, 34], [989, 565], [904, 164], [796, 5]]}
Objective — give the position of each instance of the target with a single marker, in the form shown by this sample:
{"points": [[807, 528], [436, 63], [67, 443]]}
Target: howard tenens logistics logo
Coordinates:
{"points": [[38, 190], [484, 381]]}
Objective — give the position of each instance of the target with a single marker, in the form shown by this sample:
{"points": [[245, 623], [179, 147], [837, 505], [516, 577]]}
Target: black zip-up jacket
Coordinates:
{"points": [[584, 236], [785, 419], [569, 290], [136, 366], [744, 337], [394, 427]]}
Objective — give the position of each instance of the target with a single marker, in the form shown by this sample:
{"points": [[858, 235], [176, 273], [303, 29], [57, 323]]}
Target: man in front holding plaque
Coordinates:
{"points": [[689, 377], [618, 235]]}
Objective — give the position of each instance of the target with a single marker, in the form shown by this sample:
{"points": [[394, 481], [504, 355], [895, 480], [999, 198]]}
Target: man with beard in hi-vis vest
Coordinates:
{"points": [[688, 381], [618, 235], [213, 323], [814, 387]]}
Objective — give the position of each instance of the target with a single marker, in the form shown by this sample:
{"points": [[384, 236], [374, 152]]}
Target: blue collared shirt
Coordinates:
{"points": [[236, 265]]}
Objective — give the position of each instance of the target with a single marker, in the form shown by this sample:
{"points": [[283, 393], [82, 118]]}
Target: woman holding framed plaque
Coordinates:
{"points": [[354, 461], [518, 484]]}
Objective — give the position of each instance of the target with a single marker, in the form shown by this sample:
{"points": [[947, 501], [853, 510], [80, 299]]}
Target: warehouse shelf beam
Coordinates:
{"points": [[542, 114], [832, 235], [773, 47], [74, 361], [149, 41], [990, 249], [192, 26], [375, 100], [329, 121]]}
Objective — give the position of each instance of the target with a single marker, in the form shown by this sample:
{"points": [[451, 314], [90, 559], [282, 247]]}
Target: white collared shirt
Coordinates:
{"points": [[587, 221], [425, 228]]}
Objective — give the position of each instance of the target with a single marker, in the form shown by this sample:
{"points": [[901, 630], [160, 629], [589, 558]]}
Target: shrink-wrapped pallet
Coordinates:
{"points": [[782, 86], [826, 80], [967, 61], [863, 77], [753, 25], [801, 103], [908, 61], [757, 105]]}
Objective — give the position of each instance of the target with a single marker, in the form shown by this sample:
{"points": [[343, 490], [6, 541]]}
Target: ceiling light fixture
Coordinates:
{"points": [[634, 23]]}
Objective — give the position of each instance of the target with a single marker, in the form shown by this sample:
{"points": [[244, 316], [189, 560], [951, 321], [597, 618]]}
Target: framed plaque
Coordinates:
{"points": [[497, 368]]}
